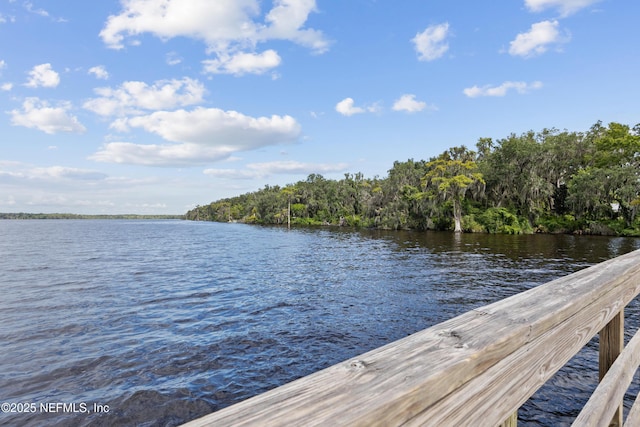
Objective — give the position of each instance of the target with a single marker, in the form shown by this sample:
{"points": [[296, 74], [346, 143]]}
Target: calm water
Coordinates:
{"points": [[166, 321]]}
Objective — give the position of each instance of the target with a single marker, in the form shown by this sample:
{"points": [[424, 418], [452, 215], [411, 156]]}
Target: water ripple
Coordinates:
{"points": [[165, 321]]}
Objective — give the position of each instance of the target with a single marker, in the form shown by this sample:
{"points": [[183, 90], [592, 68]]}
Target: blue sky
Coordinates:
{"points": [[155, 106]]}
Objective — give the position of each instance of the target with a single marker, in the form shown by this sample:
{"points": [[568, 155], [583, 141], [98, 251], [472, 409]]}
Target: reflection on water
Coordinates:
{"points": [[165, 321]]}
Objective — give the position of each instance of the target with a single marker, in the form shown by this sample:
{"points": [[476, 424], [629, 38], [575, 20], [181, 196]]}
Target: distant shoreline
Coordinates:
{"points": [[23, 215]]}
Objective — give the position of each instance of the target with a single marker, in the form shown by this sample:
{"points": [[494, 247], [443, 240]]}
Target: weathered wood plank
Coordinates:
{"points": [[611, 345], [512, 421], [633, 417], [605, 400], [508, 384], [400, 381]]}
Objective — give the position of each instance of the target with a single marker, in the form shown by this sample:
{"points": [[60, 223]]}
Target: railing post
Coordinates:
{"points": [[611, 345], [512, 421]]}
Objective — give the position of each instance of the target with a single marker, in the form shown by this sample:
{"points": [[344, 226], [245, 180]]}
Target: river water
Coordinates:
{"points": [[155, 323]]}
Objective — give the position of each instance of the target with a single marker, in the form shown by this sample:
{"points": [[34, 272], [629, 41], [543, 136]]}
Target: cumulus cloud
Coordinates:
{"points": [[286, 20], [43, 75], [432, 42], [218, 127], [227, 27], [100, 72], [135, 97], [409, 104], [38, 114], [202, 135], [347, 107], [266, 169], [537, 40], [243, 63], [488, 90], [3, 65], [565, 7]]}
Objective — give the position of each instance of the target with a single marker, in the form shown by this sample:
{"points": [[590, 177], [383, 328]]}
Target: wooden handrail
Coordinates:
{"points": [[602, 405], [475, 369]]}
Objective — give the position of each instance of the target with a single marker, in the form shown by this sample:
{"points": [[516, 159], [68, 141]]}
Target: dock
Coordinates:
{"points": [[476, 369]]}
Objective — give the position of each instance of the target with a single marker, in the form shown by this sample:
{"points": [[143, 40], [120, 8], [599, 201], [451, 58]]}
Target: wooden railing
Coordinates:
{"points": [[474, 370]]}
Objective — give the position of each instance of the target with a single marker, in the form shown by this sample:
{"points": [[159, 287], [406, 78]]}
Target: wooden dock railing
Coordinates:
{"points": [[474, 370]]}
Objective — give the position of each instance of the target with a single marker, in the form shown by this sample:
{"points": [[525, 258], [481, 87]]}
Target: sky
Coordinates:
{"points": [[156, 106]]}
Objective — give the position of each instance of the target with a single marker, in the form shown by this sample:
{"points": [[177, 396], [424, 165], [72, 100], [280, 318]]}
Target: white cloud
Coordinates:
{"points": [[243, 63], [537, 40], [218, 23], [159, 154], [346, 107], [134, 97], [286, 20], [172, 58], [17, 171], [4, 19], [202, 135], [28, 187], [61, 172], [29, 7], [488, 90], [5, 87], [43, 75], [409, 104], [38, 114], [100, 72], [565, 7], [227, 27], [213, 126], [264, 170], [431, 43]]}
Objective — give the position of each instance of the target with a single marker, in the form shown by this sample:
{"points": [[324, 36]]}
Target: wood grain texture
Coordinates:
{"points": [[633, 417], [507, 385], [611, 345], [605, 400], [489, 361], [512, 421]]}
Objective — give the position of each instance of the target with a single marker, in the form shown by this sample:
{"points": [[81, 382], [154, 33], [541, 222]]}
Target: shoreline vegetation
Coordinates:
{"points": [[546, 182], [23, 215]]}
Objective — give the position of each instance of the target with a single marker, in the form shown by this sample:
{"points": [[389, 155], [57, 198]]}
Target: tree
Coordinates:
{"points": [[450, 176], [517, 175]]}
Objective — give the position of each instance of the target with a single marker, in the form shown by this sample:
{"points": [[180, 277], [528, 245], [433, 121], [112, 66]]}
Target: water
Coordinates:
{"points": [[159, 322]]}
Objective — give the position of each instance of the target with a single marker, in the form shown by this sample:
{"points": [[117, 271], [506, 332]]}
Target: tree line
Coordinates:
{"points": [[550, 181], [25, 215]]}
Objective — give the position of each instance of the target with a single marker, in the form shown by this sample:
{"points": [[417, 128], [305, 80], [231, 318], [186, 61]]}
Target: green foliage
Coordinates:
{"points": [[306, 221], [501, 220], [558, 224], [470, 225], [551, 181], [450, 176]]}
